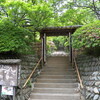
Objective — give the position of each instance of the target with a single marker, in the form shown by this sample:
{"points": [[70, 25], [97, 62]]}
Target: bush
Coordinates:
{"points": [[14, 38], [88, 38]]}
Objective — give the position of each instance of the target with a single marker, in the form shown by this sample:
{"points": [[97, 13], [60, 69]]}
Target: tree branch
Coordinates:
{"points": [[22, 17], [93, 7], [27, 25], [5, 11]]}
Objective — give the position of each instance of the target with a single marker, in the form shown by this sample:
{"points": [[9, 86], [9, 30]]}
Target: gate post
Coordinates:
{"points": [[44, 48], [70, 47], [0, 92]]}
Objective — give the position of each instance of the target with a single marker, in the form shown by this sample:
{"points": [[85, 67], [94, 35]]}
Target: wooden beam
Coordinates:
{"points": [[64, 32]]}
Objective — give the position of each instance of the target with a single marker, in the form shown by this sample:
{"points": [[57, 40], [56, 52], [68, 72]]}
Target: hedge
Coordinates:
{"points": [[14, 38], [88, 38]]}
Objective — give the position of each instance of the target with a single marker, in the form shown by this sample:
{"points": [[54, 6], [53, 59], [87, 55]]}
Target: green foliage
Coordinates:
{"points": [[14, 38], [66, 44], [2, 1], [77, 17], [41, 17], [24, 21], [60, 41], [27, 17], [93, 5], [50, 45], [27, 14], [88, 37]]}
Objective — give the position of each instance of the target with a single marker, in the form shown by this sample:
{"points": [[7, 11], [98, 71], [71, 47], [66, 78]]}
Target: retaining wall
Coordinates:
{"points": [[89, 68], [28, 62]]}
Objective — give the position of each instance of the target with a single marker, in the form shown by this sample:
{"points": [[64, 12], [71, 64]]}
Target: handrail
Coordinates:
{"points": [[32, 73], [77, 70]]}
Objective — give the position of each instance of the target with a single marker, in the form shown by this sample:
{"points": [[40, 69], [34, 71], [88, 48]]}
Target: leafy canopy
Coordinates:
{"points": [[77, 17], [26, 14], [19, 21]]}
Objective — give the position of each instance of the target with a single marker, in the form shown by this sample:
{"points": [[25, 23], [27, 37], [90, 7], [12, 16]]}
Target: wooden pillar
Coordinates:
{"points": [[44, 47], [0, 91], [42, 51], [70, 47]]}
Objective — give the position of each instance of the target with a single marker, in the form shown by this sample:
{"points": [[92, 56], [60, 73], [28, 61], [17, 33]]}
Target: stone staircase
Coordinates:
{"points": [[57, 81]]}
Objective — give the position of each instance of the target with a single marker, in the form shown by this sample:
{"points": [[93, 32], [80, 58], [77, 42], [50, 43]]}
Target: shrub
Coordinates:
{"points": [[14, 38], [88, 38]]}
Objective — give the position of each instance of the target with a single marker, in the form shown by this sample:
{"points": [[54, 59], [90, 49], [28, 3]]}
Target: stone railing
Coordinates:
{"points": [[89, 68]]}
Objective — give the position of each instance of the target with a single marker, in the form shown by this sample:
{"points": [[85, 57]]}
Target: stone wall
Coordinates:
{"points": [[27, 64], [89, 68]]}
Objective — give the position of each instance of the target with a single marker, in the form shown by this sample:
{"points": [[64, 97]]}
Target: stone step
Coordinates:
{"points": [[58, 76], [58, 58], [56, 85], [59, 68], [49, 96], [56, 80], [55, 90], [52, 99], [58, 63], [57, 73]]}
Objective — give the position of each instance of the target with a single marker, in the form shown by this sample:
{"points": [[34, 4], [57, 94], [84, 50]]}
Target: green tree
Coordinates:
{"points": [[94, 5], [77, 17], [26, 14], [23, 17], [60, 41]]}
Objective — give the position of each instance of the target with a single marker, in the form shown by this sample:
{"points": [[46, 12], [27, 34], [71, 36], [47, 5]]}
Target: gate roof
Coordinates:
{"points": [[59, 31]]}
